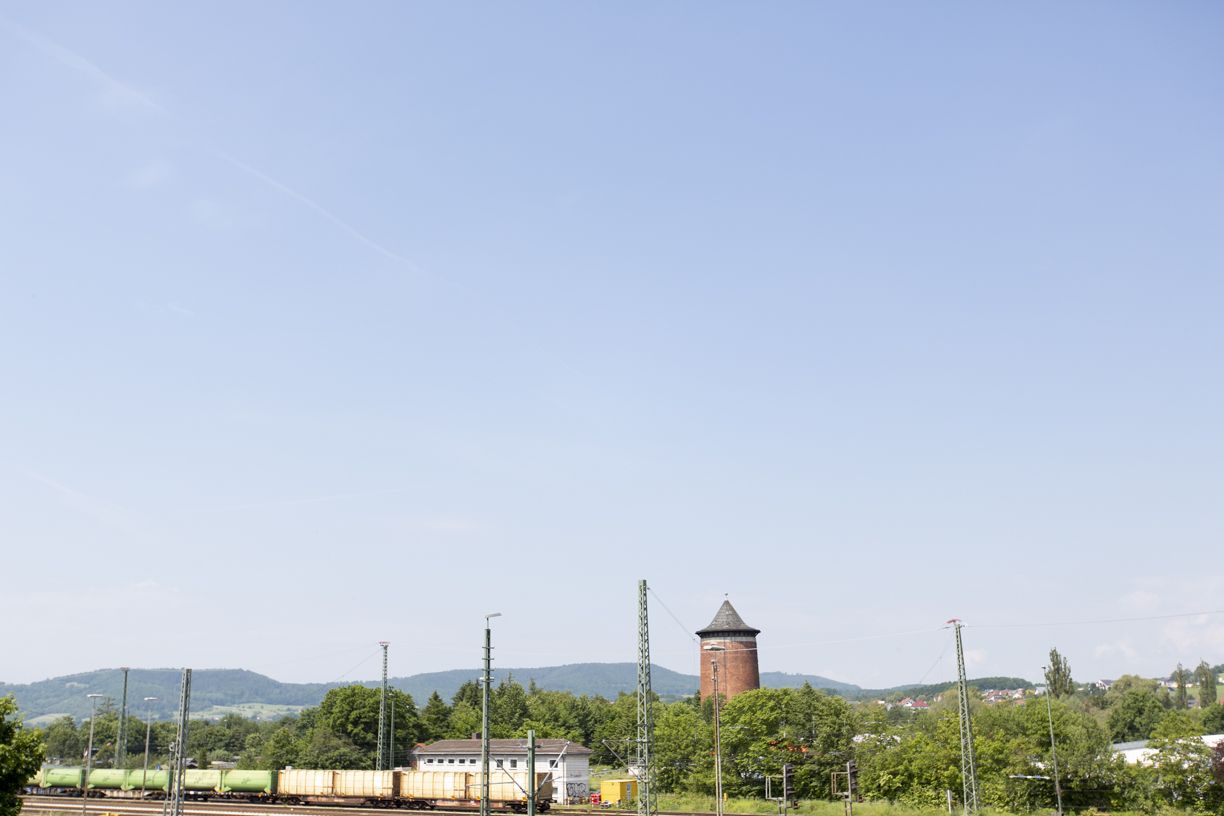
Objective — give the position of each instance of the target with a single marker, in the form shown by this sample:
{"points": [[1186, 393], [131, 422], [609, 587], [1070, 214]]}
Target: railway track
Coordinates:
{"points": [[122, 807], [69, 805]]}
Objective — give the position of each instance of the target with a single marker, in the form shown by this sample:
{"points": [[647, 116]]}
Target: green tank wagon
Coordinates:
{"points": [[107, 779], [156, 780], [248, 782], [62, 777]]}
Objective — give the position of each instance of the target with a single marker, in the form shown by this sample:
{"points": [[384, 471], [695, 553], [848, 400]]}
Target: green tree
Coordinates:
{"points": [[1213, 719], [1058, 676], [616, 732], [468, 693], [435, 718], [464, 721], [344, 726], [1181, 677], [1135, 707], [683, 748], [764, 729], [222, 739], [327, 749], [21, 754], [63, 741], [1184, 774], [554, 714], [916, 763], [281, 748], [507, 709], [1205, 677]]}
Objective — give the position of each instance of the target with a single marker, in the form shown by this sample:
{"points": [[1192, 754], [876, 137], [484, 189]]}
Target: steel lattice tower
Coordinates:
{"points": [[121, 736], [645, 717], [173, 806], [382, 714], [968, 763]]}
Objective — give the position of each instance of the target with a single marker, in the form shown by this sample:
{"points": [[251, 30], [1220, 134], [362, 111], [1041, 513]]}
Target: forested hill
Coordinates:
{"points": [[218, 691]]}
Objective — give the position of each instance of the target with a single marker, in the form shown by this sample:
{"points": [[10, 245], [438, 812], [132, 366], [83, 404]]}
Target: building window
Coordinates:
{"points": [[552, 763], [451, 761], [499, 763], [514, 763]]}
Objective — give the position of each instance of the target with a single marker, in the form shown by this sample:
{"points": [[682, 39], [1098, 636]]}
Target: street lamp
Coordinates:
{"points": [[1053, 752], [484, 717], [93, 715], [718, 791], [148, 731]]}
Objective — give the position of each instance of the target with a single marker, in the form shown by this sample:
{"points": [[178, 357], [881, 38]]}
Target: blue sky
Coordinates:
{"points": [[332, 324]]}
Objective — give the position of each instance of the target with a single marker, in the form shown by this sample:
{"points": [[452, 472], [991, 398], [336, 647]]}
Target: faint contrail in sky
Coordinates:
{"points": [[314, 205], [71, 59], [288, 502]]}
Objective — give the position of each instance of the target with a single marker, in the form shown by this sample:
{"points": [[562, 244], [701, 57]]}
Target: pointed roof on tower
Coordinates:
{"points": [[727, 622]]}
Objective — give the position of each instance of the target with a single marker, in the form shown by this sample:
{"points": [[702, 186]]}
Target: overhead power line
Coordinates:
{"points": [[1035, 624]]}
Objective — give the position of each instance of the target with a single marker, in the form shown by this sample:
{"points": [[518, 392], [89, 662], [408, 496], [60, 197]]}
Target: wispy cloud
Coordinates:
{"points": [[100, 510], [316, 206], [1122, 648], [976, 657], [116, 91], [125, 92], [294, 501]]}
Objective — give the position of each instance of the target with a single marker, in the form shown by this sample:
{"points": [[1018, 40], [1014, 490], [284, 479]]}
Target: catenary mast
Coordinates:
{"points": [[968, 763], [645, 718]]}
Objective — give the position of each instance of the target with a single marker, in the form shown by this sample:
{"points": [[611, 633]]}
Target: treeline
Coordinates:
{"points": [[906, 757]]}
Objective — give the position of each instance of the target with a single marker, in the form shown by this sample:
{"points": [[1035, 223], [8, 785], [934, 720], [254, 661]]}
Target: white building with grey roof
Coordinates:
{"points": [[567, 761]]}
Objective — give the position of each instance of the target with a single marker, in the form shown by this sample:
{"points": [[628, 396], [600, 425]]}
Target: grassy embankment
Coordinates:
{"points": [[692, 803]]}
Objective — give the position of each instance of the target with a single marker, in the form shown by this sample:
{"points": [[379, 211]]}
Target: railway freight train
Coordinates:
{"points": [[421, 790]]}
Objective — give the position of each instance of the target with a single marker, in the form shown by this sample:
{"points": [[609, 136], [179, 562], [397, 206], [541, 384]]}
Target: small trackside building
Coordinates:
{"points": [[569, 762]]}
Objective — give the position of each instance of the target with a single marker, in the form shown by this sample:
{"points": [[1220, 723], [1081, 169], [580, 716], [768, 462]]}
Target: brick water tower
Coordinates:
{"points": [[735, 649]]}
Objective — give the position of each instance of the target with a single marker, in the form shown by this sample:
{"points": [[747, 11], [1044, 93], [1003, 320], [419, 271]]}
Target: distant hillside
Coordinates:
{"points": [[604, 679], [931, 689], [784, 680], [209, 688], [218, 691]]}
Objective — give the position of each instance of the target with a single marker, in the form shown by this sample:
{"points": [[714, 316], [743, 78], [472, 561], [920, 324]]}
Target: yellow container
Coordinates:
{"points": [[366, 784], [504, 785], [306, 782], [617, 791], [436, 785]]}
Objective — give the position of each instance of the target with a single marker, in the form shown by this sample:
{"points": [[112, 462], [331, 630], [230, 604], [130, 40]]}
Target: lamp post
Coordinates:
{"points": [[718, 791], [93, 715], [144, 778], [484, 716], [1053, 752]]}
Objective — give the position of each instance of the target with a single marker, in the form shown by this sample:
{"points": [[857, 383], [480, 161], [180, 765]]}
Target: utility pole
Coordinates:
{"points": [[1053, 751], [391, 738], [968, 763], [173, 806], [531, 773], [382, 714], [718, 790], [645, 717], [484, 715], [93, 715], [144, 778], [121, 736]]}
